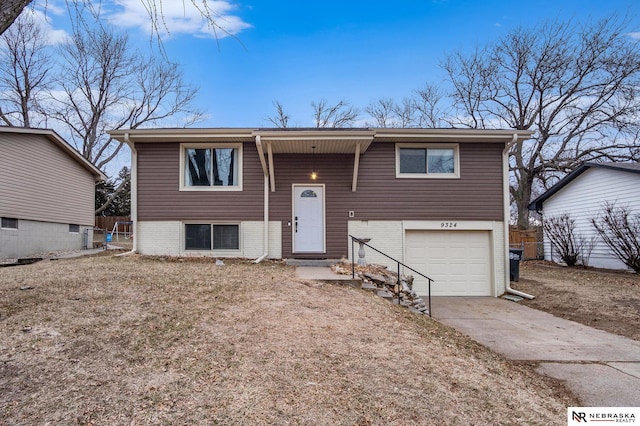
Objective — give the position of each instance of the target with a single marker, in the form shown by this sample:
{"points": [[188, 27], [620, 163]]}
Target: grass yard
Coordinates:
{"points": [[607, 300], [137, 340]]}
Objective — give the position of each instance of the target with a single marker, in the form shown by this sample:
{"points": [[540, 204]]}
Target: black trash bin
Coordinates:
{"points": [[515, 255]]}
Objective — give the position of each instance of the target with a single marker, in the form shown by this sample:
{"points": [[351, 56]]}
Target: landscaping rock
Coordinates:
{"points": [[376, 277]]}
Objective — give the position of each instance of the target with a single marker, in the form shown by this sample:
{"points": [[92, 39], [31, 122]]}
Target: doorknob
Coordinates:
{"points": [[296, 224]]}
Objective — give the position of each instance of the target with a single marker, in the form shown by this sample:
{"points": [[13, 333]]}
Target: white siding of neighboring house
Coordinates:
{"points": [[583, 199]]}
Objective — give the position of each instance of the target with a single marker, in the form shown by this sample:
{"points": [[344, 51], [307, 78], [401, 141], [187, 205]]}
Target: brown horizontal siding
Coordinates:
{"points": [[159, 197], [477, 195]]}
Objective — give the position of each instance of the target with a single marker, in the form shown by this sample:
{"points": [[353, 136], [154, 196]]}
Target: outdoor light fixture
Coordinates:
{"points": [[314, 175]]}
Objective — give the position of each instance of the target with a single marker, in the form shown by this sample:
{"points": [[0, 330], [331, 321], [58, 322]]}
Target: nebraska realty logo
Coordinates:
{"points": [[602, 415]]}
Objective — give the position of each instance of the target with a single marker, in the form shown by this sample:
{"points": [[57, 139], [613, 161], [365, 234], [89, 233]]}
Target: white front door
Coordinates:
{"points": [[308, 219]]}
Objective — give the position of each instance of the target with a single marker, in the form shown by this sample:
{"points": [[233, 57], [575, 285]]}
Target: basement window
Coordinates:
{"points": [[9, 223], [208, 237], [74, 229]]}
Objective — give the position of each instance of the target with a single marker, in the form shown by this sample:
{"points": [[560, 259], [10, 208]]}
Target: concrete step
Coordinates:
{"points": [[311, 262], [370, 287], [349, 282], [385, 294]]}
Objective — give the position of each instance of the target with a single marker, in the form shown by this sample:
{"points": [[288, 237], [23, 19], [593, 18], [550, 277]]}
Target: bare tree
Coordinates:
{"points": [[576, 86], [24, 71], [383, 112], [341, 114], [421, 109], [405, 113], [620, 230], [280, 118], [9, 12], [428, 104], [105, 85], [11, 9]]}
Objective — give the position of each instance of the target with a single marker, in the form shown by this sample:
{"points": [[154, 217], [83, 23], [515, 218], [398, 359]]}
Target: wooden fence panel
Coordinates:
{"points": [[530, 240], [108, 222]]}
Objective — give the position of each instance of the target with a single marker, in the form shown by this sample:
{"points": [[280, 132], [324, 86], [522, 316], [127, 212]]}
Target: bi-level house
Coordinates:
{"points": [[435, 199], [47, 193]]}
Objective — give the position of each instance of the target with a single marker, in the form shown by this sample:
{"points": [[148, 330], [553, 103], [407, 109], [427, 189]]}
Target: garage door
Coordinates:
{"points": [[458, 261]]}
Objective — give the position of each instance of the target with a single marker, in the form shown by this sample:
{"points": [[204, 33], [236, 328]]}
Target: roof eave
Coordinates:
{"points": [[537, 204]]}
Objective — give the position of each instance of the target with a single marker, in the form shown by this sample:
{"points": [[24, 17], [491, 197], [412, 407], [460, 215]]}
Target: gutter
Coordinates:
{"points": [[266, 202], [134, 195], [506, 203]]}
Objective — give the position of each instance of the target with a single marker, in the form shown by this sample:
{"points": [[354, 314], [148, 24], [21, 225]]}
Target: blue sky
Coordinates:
{"points": [[296, 52]]}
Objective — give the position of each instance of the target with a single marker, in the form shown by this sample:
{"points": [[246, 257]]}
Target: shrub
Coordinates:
{"points": [[571, 246], [621, 232]]}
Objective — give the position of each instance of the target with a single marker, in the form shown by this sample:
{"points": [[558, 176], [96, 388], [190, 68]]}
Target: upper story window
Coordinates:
{"points": [[211, 167], [427, 161]]}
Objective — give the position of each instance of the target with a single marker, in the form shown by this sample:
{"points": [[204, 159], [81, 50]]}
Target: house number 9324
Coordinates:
{"points": [[449, 225]]}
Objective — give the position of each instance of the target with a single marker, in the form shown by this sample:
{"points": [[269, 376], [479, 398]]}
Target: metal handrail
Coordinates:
{"points": [[353, 268]]}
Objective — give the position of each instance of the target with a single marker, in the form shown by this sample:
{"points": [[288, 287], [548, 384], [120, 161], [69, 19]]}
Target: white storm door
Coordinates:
{"points": [[308, 219]]}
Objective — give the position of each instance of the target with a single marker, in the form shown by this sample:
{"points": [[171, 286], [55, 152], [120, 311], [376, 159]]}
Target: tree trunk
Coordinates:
{"points": [[9, 11], [522, 197]]}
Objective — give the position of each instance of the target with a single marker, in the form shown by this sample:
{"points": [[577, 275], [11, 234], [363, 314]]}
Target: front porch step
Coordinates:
{"points": [[350, 282], [312, 262], [370, 287], [386, 294]]}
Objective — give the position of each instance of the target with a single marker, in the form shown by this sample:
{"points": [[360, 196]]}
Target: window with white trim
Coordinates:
{"points": [[211, 167], [208, 237], [427, 161], [9, 223]]}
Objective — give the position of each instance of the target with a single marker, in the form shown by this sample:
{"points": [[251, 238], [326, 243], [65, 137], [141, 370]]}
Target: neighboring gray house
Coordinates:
{"points": [[47, 193], [582, 193]]}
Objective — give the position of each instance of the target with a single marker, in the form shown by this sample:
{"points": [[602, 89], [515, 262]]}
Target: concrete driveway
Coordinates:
{"points": [[601, 368]]}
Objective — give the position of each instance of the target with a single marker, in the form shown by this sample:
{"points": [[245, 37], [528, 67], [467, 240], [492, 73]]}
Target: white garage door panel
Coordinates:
{"points": [[458, 261]]}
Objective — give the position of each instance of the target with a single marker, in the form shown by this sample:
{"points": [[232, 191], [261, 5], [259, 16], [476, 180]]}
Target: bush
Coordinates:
{"points": [[571, 246], [621, 232]]}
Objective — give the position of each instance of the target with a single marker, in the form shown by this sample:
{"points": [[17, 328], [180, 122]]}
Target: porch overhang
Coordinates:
{"points": [[313, 141]]}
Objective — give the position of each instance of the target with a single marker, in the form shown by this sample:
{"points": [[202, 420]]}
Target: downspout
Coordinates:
{"points": [[134, 195], [507, 203], [266, 202]]}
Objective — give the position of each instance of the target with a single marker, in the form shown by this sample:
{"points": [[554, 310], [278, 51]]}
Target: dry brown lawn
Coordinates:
{"points": [[603, 299], [137, 340]]}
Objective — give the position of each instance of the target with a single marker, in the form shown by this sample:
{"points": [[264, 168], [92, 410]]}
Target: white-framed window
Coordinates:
{"points": [[9, 223], [439, 161], [73, 228], [211, 167], [212, 237]]}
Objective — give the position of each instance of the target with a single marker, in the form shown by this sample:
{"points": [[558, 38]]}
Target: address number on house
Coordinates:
{"points": [[444, 225]]}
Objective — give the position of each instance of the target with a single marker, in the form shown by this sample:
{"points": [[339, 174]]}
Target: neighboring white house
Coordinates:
{"points": [[581, 195], [47, 193]]}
